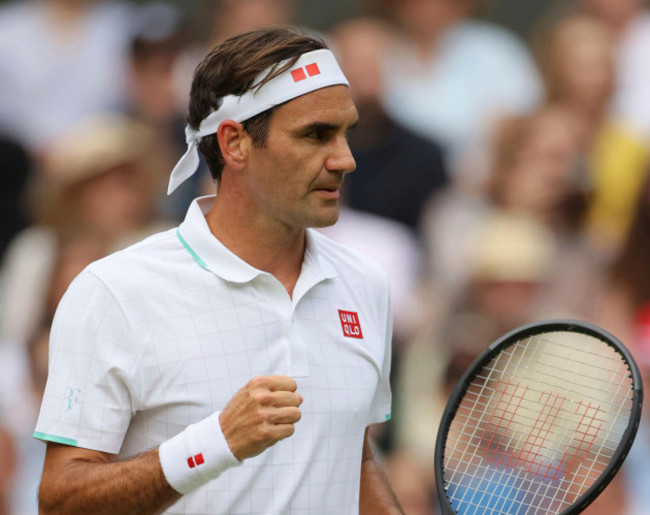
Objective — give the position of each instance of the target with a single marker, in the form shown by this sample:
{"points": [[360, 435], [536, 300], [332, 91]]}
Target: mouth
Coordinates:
{"points": [[329, 192]]}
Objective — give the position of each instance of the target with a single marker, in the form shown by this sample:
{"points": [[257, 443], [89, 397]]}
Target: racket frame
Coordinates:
{"points": [[509, 339]]}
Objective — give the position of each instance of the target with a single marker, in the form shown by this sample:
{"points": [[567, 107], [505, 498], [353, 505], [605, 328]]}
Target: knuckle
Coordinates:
{"points": [[263, 397], [265, 433], [257, 382], [259, 418]]}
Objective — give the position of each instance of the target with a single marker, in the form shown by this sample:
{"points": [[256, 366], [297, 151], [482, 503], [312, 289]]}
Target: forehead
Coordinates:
{"points": [[333, 105]]}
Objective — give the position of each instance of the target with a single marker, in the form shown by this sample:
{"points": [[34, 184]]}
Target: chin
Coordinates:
{"points": [[324, 221]]}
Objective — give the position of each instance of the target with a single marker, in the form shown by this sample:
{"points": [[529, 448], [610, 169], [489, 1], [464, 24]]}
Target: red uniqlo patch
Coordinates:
{"points": [[195, 460], [298, 74], [312, 69], [350, 324]]}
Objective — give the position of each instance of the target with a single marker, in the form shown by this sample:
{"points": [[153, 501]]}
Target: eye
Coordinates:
{"points": [[318, 135], [320, 132]]}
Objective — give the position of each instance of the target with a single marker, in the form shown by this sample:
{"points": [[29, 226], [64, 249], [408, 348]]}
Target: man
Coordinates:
{"points": [[231, 365]]}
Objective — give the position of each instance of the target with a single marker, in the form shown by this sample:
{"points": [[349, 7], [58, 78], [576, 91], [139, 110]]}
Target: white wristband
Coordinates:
{"points": [[197, 455]]}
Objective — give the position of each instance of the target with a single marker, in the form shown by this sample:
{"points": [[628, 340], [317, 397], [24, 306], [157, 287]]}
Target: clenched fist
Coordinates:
{"points": [[260, 414]]}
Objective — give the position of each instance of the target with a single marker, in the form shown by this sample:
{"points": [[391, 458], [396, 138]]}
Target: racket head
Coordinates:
{"points": [[491, 466]]}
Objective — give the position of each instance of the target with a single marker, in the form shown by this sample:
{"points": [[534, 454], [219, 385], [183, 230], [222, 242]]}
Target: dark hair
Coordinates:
{"points": [[630, 268], [231, 68]]}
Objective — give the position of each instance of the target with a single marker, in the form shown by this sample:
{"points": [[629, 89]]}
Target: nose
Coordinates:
{"points": [[341, 159]]}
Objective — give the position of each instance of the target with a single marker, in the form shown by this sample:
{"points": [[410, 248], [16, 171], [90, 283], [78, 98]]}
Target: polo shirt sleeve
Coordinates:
{"points": [[88, 399], [380, 410]]}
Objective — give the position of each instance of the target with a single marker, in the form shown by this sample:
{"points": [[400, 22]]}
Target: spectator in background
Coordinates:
{"points": [[577, 58], [536, 172], [625, 312], [65, 60], [627, 298], [96, 181], [15, 170], [449, 78], [154, 96], [630, 22], [397, 170]]}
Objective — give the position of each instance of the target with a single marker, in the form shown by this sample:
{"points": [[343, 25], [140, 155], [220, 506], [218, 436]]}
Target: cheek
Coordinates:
{"points": [[285, 171]]}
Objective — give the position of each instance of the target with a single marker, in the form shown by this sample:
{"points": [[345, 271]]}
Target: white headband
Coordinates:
{"points": [[313, 70]]}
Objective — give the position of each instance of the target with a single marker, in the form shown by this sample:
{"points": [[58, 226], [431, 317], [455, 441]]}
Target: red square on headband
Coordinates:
{"points": [[312, 69], [298, 74], [199, 459], [350, 324], [190, 463]]}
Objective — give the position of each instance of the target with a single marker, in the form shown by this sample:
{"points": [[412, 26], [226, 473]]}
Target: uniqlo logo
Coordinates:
{"points": [[301, 73], [350, 324], [195, 460]]}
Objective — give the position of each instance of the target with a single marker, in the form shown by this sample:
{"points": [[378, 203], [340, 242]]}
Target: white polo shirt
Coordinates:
{"points": [[161, 335]]}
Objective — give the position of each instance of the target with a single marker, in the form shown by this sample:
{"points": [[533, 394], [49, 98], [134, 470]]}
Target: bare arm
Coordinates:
{"points": [[376, 496], [79, 480]]}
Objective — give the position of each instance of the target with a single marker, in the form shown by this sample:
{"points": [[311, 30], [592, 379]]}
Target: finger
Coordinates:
{"points": [[283, 398], [282, 383], [273, 383], [284, 431], [283, 416]]}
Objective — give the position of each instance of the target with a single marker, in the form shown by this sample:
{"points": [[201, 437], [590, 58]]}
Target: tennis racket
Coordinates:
{"points": [[540, 422]]}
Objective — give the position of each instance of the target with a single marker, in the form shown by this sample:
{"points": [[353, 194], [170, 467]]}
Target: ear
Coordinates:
{"points": [[234, 143]]}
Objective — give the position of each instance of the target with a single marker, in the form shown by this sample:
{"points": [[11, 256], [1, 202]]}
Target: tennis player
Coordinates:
{"points": [[231, 365]]}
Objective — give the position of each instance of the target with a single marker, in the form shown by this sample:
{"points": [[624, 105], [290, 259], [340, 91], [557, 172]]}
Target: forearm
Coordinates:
{"points": [[136, 485], [376, 495]]}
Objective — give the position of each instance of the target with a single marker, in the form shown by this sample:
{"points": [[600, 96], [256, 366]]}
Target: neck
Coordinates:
{"points": [[263, 244]]}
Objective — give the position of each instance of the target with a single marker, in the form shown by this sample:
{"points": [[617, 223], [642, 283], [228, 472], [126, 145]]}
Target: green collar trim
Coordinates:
{"points": [[189, 249]]}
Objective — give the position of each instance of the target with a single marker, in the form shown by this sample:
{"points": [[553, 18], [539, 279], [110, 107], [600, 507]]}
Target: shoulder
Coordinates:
{"points": [[156, 255]]}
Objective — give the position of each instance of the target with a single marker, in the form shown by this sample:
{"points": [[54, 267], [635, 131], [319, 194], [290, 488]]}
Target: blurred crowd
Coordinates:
{"points": [[500, 180]]}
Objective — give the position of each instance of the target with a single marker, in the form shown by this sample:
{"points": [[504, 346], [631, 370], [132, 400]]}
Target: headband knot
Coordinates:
{"points": [[312, 71], [192, 137]]}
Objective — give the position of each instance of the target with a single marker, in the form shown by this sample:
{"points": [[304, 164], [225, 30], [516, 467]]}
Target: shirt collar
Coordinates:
{"points": [[195, 235]]}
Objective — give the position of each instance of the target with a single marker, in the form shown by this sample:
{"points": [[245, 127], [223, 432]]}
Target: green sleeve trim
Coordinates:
{"points": [[388, 417], [55, 439], [189, 249]]}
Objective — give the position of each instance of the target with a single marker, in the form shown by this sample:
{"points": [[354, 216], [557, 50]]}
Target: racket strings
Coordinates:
{"points": [[621, 389], [538, 425]]}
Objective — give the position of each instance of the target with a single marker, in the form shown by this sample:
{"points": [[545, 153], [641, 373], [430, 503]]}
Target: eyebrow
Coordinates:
{"points": [[324, 127]]}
